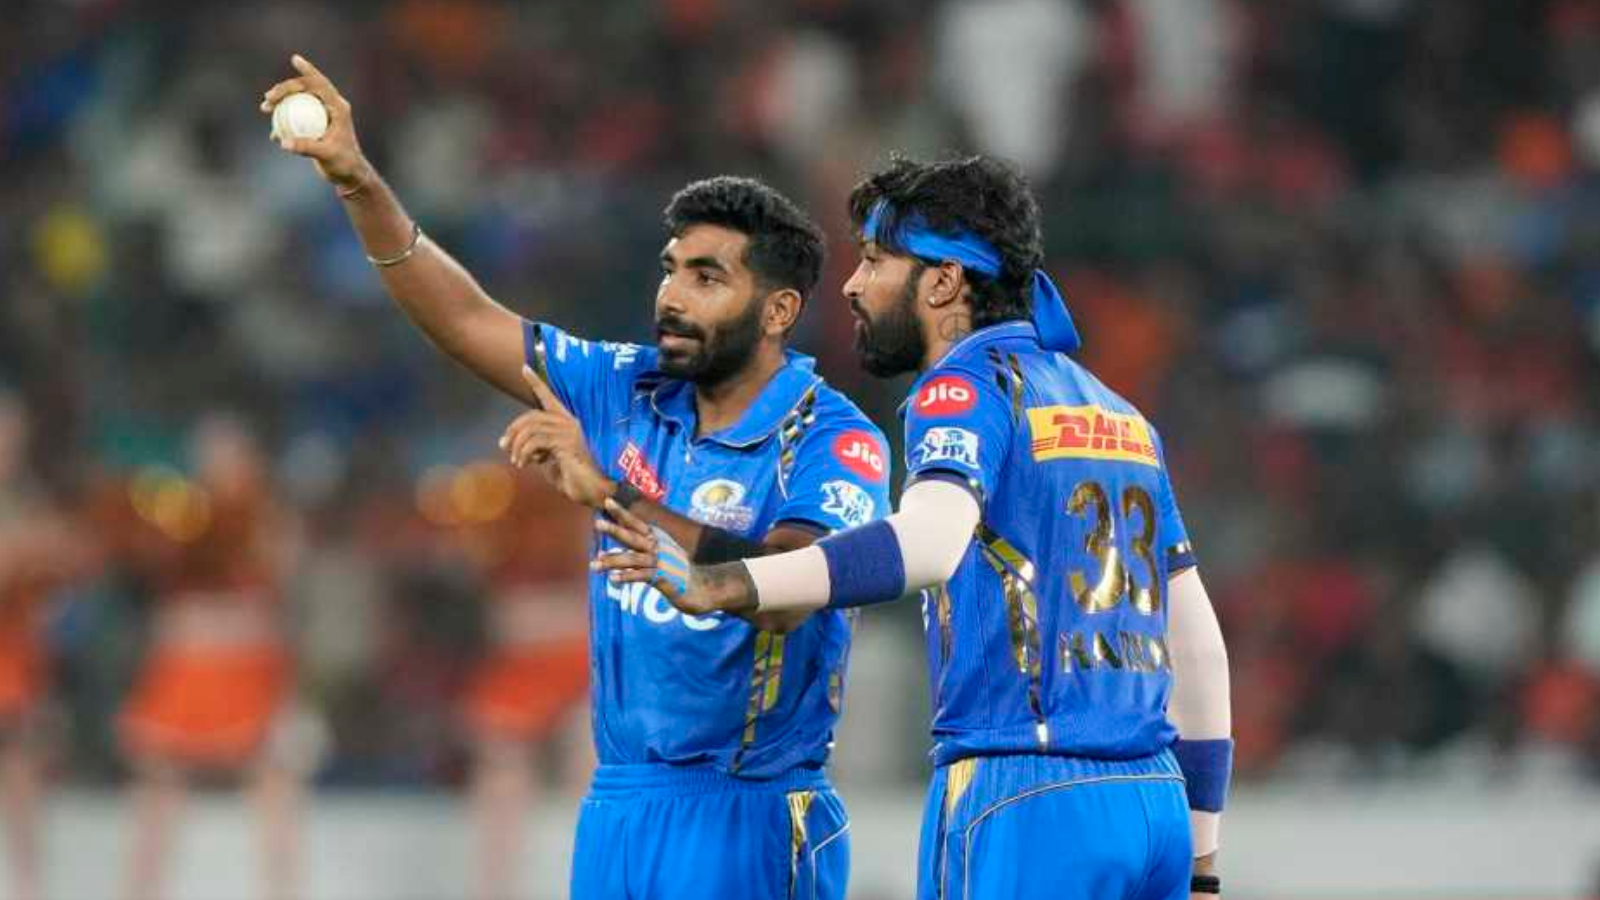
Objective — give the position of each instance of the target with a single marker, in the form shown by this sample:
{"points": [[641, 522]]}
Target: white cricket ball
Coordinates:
{"points": [[299, 115]]}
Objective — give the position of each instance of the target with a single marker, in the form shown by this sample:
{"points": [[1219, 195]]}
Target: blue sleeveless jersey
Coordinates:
{"points": [[670, 688], [1051, 636]]}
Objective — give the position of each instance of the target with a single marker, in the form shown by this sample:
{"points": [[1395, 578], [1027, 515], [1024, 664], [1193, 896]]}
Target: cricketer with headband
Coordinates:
{"points": [[1080, 685]]}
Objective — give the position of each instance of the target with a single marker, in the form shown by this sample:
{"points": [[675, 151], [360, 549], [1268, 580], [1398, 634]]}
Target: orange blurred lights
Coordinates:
{"points": [[434, 499], [176, 506], [451, 496], [483, 492]]}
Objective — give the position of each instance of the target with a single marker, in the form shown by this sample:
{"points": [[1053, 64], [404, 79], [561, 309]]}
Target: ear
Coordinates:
{"points": [[782, 311], [949, 281]]}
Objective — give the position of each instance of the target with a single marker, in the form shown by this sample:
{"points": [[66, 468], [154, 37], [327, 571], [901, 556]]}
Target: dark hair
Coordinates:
{"points": [[785, 249], [980, 194]]}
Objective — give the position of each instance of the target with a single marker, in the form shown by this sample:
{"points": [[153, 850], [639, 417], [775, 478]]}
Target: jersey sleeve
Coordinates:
{"points": [[839, 478], [593, 378], [960, 428], [1173, 534]]}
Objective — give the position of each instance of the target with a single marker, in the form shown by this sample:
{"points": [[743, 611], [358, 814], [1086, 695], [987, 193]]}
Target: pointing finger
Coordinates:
{"points": [[541, 391]]}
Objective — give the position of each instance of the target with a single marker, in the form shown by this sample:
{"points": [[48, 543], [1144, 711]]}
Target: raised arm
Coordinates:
{"points": [[439, 296]]}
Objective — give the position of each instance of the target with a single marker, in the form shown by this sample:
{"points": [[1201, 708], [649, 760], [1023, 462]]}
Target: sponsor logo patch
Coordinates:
{"points": [[947, 395], [861, 454], [957, 445], [639, 473], [1090, 432], [849, 502]]}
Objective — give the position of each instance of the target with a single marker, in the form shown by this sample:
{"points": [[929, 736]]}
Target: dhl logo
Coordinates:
{"points": [[1090, 432]]}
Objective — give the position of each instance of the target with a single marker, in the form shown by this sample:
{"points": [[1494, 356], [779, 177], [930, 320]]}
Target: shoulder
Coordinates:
{"points": [[836, 412], [559, 346], [827, 424]]}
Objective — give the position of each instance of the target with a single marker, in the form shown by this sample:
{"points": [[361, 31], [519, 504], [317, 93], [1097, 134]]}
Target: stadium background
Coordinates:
{"points": [[1346, 253]]}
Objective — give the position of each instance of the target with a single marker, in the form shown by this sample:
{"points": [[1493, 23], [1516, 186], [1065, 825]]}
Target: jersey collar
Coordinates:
{"points": [[986, 335], [673, 400]]}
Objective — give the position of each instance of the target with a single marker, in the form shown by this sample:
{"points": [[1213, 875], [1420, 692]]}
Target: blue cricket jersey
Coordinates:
{"points": [[1051, 636], [670, 688]]}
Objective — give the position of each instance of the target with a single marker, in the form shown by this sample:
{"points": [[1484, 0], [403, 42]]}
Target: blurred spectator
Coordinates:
{"points": [[1342, 252], [38, 552], [215, 694], [530, 687]]}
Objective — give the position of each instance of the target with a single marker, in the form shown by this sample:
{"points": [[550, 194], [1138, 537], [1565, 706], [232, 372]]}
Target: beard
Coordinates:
{"points": [[894, 343], [717, 355]]}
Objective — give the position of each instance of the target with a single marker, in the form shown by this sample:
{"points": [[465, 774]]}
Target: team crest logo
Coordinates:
{"points": [[848, 501], [720, 503], [956, 445]]}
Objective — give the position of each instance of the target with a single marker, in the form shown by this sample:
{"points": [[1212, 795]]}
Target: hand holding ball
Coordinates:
{"points": [[310, 118], [299, 115]]}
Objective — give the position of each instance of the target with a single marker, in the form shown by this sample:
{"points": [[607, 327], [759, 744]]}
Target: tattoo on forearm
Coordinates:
{"points": [[729, 586]]}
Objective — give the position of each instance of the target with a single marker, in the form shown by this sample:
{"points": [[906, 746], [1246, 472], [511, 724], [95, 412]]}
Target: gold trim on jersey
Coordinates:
{"points": [[956, 781], [1022, 615], [766, 675], [939, 599], [799, 808]]}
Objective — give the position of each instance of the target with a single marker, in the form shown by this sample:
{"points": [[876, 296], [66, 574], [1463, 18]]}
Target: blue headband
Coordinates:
{"points": [[1050, 316]]}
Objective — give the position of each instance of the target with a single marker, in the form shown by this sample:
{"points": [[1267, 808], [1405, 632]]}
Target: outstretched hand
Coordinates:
{"points": [[337, 153], [648, 554]]}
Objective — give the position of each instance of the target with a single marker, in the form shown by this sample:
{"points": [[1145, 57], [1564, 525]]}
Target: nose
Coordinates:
{"points": [[856, 284], [668, 300]]}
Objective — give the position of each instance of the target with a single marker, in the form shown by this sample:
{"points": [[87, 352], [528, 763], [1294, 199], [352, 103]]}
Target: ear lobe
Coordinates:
{"points": [[947, 285], [783, 310]]}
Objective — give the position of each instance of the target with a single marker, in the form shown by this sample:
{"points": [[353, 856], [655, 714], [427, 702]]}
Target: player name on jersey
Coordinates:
{"points": [[1130, 651]]}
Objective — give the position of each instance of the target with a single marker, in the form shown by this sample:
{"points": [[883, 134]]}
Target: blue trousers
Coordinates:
{"points": [[1063, 828], [658, 832]]}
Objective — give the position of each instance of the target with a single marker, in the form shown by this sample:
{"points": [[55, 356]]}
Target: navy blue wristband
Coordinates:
{"points": [[1207, 767], [864, 565]]}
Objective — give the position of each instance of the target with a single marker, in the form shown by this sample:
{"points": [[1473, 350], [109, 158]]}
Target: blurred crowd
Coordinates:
{"points": [[1344, 253]]}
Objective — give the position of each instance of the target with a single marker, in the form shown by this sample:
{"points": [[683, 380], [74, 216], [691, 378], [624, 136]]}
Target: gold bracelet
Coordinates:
{"points": [[403, 255], [349, 193]]}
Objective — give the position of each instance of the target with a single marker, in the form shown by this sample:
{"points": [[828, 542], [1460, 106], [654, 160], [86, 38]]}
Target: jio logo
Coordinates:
{"points": [[859, 451], [948, 395]]}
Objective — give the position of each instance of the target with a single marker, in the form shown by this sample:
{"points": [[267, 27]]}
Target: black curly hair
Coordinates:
{"points": [[980, 194], [785, 249]]}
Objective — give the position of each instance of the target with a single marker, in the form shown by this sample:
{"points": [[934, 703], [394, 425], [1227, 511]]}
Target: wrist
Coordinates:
{"points": [[725, 587], [357, 183], [624, 493], [606, 489], [1203, 878]]}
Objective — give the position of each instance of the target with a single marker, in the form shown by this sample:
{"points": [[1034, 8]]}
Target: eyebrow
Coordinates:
{"points": [[696, 262]]}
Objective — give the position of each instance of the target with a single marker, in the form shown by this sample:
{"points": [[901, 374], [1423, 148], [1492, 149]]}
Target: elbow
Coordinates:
{"points": [[937, 563], [949, 562]]}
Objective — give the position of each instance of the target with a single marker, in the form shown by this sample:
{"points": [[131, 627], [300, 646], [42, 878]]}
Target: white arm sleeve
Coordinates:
{"points": [[1199, 706], [933, 528]]}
